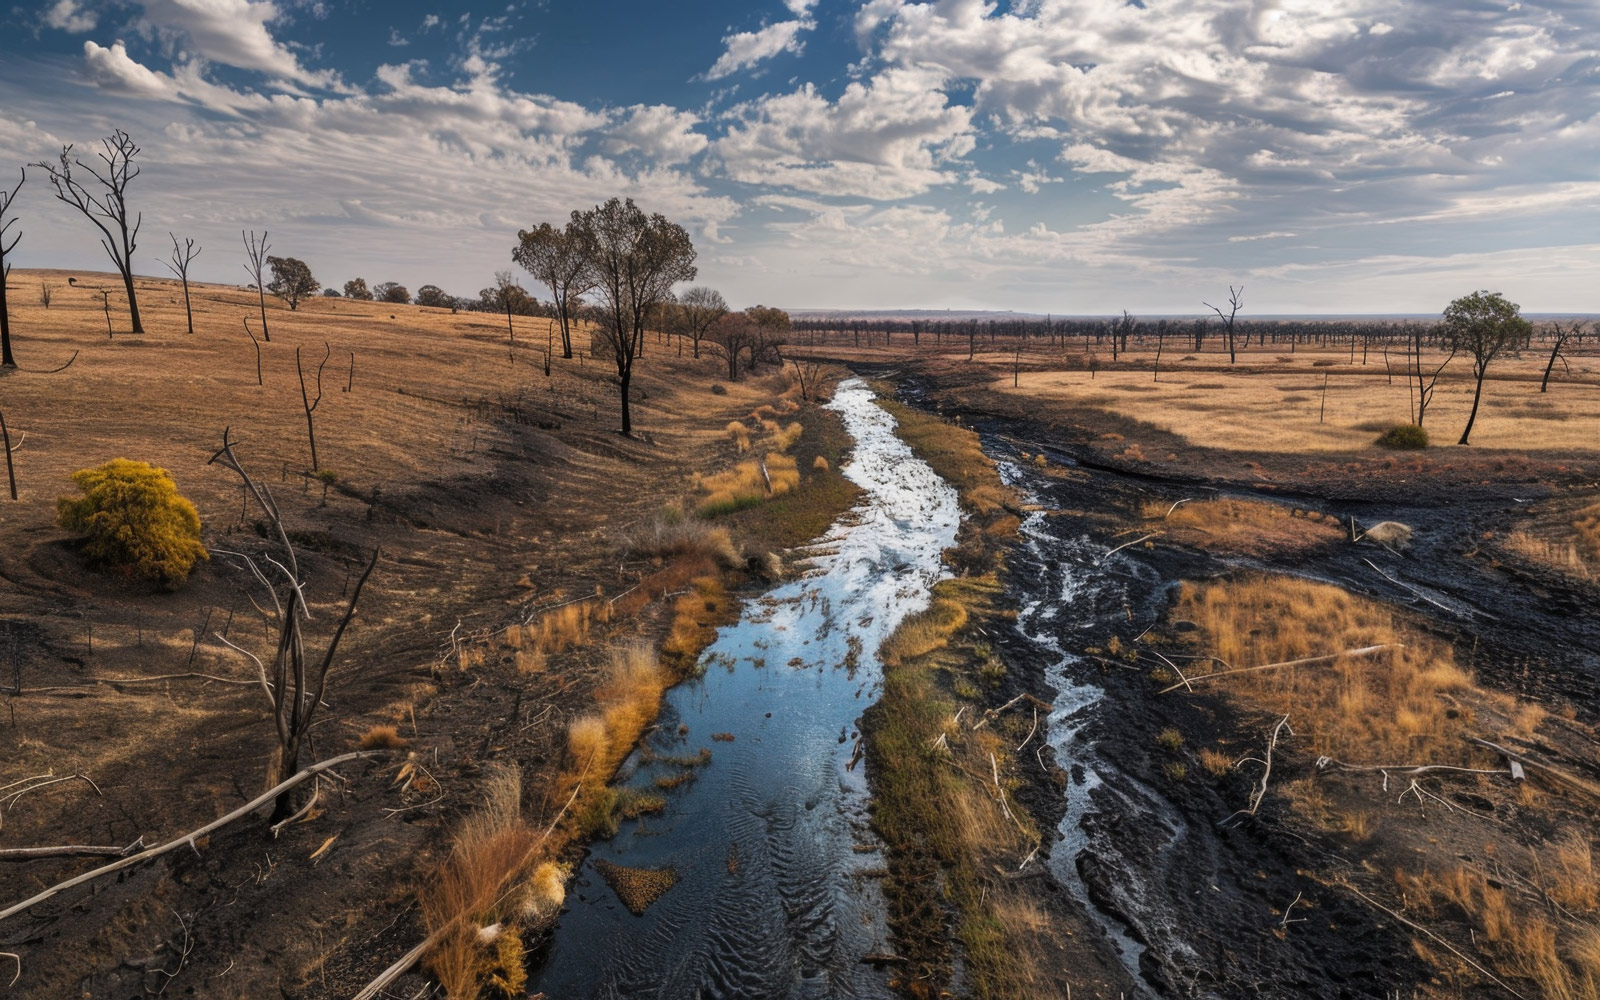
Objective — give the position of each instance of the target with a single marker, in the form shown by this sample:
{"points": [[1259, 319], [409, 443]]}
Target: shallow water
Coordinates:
{"points": [[770, 840]]}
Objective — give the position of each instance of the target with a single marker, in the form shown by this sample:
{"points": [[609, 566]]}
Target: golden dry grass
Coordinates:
{"points": [[924, 631], [1249, 527], [1269, 404], [473, 901], [746, 485], [1558, 952], [1411, 702], [383, 738]]}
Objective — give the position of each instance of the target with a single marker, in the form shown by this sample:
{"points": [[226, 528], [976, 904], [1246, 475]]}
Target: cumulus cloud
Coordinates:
{"points": [[893, 136], [70, 16], [658, 132], [749, 48]]}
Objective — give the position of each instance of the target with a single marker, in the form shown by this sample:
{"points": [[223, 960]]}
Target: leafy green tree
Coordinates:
{"points": [[356, 288], [632, 262], [291, 280], [134, 521], [1483, 325]]}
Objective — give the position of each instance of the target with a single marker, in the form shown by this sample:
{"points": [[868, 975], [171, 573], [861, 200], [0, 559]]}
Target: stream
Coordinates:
{"points": [[771, 842]]}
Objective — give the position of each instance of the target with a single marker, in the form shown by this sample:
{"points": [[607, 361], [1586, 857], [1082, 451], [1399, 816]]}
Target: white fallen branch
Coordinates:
{"points": [[1485, 973], [69, 851], [189, 838], [1119, 548], [1306, 662], [1266, 772]]}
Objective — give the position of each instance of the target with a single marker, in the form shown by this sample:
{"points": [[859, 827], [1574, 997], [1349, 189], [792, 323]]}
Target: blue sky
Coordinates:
{"points": [[1070, 156]]}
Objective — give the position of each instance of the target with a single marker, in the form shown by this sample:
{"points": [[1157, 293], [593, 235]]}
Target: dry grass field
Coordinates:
{"points": [[498, 495], [1275, 402]]}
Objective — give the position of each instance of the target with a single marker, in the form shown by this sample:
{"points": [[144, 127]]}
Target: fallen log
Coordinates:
{"points": [[1363, 651], [69, 851], [1515, 758], [189, 838]]}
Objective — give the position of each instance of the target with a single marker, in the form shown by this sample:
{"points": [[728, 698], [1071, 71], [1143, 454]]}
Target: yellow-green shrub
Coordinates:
{"points": [[134, 520]]}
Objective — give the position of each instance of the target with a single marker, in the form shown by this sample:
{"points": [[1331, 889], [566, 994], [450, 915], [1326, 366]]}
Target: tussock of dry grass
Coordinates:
{"points": [[739, 434], [1408, 703], [478, 898], [626, 702], [383, 738], [1248, 527], [671, 535], [695, 617], [924, 631], [745, 485]]}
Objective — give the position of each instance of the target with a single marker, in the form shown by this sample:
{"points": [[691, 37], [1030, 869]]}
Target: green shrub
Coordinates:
{"points": [[1408, 437], [133, 520]]}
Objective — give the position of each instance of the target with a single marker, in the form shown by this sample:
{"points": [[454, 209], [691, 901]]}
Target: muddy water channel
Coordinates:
{"points": [[770, 840]]}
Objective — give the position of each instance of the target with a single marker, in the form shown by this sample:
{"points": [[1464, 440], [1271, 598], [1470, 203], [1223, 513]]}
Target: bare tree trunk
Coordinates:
{"points": [[5, 442], [1477, 395], [311, 404], [6, 358]]}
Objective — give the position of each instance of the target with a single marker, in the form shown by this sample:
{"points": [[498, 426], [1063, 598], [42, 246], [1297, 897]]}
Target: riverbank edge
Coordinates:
{"points": [[956, 799]]}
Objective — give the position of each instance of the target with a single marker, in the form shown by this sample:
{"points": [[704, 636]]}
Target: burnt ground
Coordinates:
{"points": [[319, 909], [1207, 902]]}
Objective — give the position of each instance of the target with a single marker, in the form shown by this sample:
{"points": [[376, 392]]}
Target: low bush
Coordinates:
{"points": [[1403, 437], [134, 521]]}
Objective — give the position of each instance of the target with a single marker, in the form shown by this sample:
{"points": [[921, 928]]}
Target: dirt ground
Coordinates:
{"points": [[1495, 868], [493, 490]]}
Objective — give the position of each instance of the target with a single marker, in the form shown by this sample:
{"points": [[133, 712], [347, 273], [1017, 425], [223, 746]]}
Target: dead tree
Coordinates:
{"points": [[1561, 333], [257, 344], [256, 252], [7, 199], [107, 209], [309, 403], [5, 442], [294, 685], [1235, 303], [1425, 381], [808, 375], [178, 264]]}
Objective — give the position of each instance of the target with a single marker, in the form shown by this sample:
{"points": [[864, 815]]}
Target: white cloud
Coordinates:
{"points": [[659, 132], [748, 48], [233, 33], [893, 136], [69, 16]]}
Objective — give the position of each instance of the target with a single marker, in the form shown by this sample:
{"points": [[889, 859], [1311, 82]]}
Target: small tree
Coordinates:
{"points": [[1560, 335], [105, 204], [392, 292], [772, 332], [434, 296], [133, 520], [556, 258], [331, 293], [1235, 303], [633, 262], [1482, 324], [7, 199], [256, 266], [730, 337], [291, 280], [356, 288], [700, 308], [178, 264]]}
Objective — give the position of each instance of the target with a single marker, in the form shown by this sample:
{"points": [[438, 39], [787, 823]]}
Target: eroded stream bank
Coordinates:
{"points": [[769, 840]]}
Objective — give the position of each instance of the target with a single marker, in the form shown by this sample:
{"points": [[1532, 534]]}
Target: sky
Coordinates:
{"points": [[1064, 156]]}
